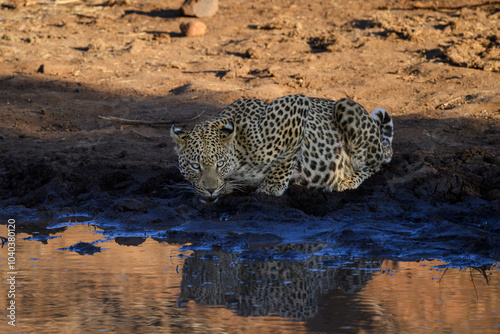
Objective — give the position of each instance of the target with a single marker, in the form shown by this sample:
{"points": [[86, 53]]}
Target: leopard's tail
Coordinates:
{"points": [[382, 117]]}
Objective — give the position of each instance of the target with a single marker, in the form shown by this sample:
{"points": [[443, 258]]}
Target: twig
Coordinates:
{"points": [[195, 117], [142, 135], [133, 121], [444, 272], [473, 283], [150, 123], [447, 104]]}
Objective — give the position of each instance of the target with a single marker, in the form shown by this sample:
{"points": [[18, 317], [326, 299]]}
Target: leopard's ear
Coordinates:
{"points": [[228, 132], [178, 135]]}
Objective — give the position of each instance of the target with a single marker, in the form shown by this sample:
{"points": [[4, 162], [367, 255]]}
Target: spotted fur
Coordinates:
{"points": [[314, 142]]}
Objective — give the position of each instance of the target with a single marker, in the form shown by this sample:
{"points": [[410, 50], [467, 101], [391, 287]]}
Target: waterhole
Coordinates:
{"points": [[74, 278]]}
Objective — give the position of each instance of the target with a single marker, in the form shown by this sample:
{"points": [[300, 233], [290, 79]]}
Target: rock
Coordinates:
{"points": [[193, 28], [253, 53], [129, 204], [274, 70], [200, 8]]}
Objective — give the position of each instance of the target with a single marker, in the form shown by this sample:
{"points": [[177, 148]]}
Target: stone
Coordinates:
{"points": [[253, 53], [193, 28], [129, 204], [200, 8]]}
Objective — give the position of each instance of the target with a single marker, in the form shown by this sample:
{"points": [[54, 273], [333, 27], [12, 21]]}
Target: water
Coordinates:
{"points": [[142, 285]]}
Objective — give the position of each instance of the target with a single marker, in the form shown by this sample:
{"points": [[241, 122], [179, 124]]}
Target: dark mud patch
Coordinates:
{"points": [[83, 248]]}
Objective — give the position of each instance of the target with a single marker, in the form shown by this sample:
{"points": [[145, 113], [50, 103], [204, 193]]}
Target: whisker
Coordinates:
{"points": [[239, 181], [237, 185], [179, 186]]}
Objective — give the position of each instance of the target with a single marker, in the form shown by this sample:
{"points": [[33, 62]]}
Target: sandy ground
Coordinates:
{"points": [[433, 64]]}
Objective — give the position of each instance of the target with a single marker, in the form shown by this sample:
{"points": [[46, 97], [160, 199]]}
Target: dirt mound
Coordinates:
{"points": [[467, 37]]}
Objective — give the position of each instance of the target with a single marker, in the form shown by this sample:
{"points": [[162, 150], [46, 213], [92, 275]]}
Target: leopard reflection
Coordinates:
{"points": [[268, 286]]}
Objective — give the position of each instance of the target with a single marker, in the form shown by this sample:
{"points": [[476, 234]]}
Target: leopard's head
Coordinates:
{"points": [[206, 157]]}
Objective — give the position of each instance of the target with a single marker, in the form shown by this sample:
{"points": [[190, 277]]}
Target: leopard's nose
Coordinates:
{"points": [[211, 191]]}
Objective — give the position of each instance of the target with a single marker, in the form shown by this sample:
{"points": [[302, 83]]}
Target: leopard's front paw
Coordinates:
{"points": [[273, 191], [347, 184]]}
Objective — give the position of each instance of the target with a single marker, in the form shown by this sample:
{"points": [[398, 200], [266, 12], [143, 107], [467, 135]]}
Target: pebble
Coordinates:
{"points": [[200, 8], [193, 28]]}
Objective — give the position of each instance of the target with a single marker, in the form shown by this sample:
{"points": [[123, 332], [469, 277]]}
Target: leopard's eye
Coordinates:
{"points": [[195, 166], [220, 163]]}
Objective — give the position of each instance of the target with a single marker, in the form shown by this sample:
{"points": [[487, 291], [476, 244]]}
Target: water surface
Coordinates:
{"points": [[143, 285]]}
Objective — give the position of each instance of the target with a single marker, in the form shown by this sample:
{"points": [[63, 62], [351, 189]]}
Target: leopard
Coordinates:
{"points": [[314, 142]]}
